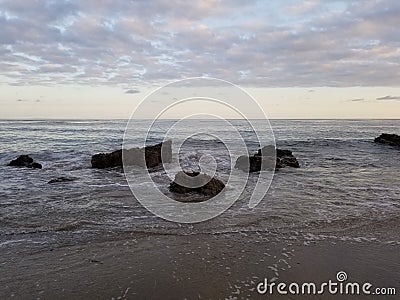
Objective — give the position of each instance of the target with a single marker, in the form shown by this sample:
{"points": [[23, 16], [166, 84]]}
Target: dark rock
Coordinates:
{"points": [[95, 261], [69, 226], [186, 182], [155, 155], [283, 153], [287, 161], [150, 156], [62, 179], [21, 161], [264, 160], [107, 160], [254, 163], [244, 163], [268, 150], [25, 161], [388, 139], [35, 165]]}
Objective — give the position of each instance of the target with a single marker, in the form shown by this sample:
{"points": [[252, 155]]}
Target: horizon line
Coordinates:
{"points": [[174, 119]]}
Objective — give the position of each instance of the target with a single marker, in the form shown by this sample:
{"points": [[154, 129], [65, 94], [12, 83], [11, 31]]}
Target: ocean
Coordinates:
{"points": [[346, 181]]}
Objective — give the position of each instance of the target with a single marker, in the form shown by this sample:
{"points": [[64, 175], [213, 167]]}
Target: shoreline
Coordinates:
{"points": [[201, 266]]}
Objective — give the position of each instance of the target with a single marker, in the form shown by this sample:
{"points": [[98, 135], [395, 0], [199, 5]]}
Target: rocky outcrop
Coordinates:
{"points": [[107, 160], [25, 161], [150, 156], [62, 179], [388, 139], [186, 182], [264, 160]]}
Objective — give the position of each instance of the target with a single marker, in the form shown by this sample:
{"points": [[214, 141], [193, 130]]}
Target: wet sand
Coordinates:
{"points": [[201, 266]]}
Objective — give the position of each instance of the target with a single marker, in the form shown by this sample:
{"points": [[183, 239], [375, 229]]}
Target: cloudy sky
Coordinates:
{"points": [[299, 59]]}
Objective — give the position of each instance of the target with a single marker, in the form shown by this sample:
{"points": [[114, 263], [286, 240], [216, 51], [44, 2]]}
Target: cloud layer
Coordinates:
{"points": [[258, 43]]}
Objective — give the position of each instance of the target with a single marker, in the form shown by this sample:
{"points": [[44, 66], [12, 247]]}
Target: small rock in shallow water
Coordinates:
{"points": [[62, 179], [25, 161], [69, 226], [35, 165]]}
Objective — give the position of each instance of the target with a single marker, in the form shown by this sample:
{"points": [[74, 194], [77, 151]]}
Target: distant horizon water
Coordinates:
{"points": [[174, 119]]}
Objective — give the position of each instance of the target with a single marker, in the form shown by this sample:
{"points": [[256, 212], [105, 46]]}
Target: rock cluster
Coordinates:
{"points": [[267, 158], [186, 182], [25, 161]]}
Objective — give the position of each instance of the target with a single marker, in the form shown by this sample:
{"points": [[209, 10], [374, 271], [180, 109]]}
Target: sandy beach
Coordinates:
{"points": [[201, 266]]}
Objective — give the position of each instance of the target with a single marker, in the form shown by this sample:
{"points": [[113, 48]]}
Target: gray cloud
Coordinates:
{"points": [[28, 100], [356, 100], [314, 43], [132, 91], [389, 98]]}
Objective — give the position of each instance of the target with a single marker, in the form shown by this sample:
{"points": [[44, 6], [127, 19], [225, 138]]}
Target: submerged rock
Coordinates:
{"points": [[186, 182], [62, 179], [264, 160], [25, 161], [35, 165], [388, 139], [150, 156], [69, 226]]}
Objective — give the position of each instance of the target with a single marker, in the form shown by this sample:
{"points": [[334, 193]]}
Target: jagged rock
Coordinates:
{"points": [[388, 139], [21, 161], [186, 182], [25, 161], [287, 161], [62, 179], [285, 158], [149, 156], [107, 160], [264, 160]]}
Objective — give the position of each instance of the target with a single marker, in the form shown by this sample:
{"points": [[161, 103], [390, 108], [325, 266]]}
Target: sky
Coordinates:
{"points": [[298, 59]]}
